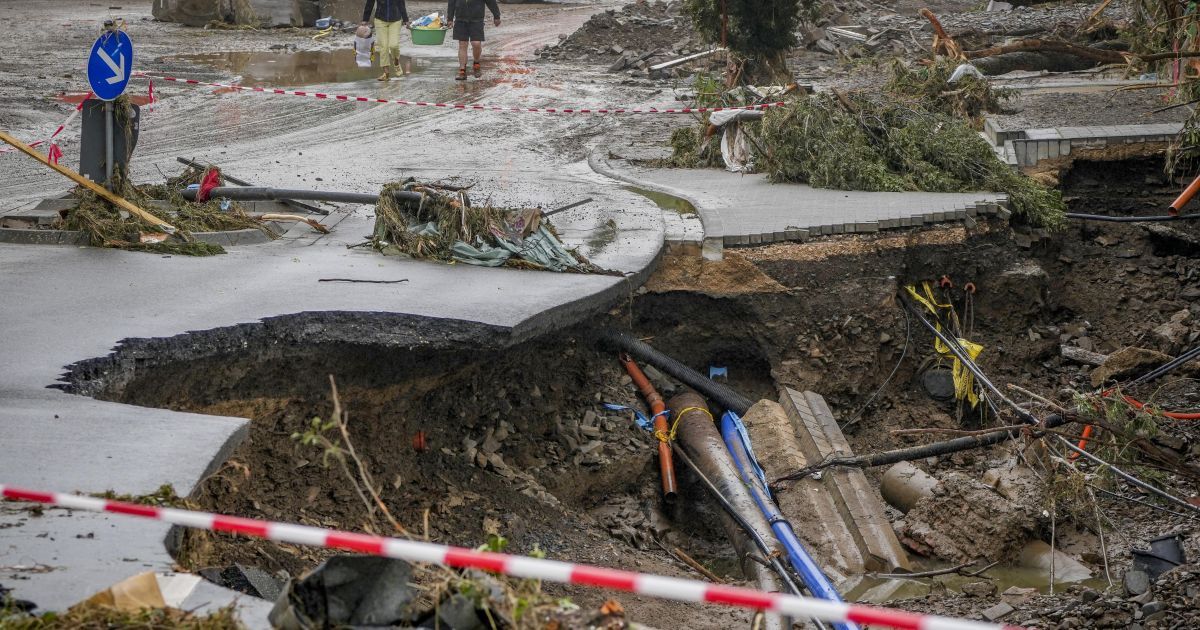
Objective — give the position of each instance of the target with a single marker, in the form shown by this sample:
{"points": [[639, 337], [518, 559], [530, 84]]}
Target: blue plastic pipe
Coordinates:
{"points": [[738, 444]]}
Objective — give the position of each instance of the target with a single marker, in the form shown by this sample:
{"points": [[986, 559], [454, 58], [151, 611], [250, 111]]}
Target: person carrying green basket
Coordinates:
{"points": [[390, 17], [466, 18]]}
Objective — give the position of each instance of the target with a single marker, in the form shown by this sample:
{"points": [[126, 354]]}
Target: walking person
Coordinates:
{"points": [[390, 17], [466, 18]]}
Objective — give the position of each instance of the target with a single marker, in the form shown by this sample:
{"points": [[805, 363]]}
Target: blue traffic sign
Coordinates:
{"points": [[110, 64]]}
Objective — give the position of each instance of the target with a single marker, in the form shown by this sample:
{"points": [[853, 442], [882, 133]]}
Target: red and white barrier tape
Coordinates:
{"points": [[54, 152], [467, 106], [517, 566]]}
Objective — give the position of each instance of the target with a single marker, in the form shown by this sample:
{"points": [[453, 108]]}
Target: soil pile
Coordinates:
{"points": [[638, 33]]}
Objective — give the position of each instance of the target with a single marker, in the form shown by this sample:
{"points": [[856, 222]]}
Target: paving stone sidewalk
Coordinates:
{"points": [[748, 210]]}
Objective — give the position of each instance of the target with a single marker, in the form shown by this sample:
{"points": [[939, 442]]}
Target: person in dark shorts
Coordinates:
{"points": [[466, 18]]}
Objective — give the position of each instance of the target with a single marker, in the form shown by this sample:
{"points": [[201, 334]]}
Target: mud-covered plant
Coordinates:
{"points": [[96, 617], [927, 87], [107, 226], [332, 438], [758, 33], [506, 602]]}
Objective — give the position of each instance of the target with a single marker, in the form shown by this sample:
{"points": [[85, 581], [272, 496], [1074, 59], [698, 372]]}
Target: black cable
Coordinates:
{"points": [[903, 353], [772, 557], [1139, 502], [1166, 367], [1025, 416], [741, 521], [1112, 219]]}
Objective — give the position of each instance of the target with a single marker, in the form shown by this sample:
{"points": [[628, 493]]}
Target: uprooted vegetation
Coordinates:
{"points": [[913, 137], [431, 222], [108, 226]]}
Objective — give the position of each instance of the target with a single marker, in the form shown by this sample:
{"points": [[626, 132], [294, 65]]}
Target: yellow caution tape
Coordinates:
{"points": [[664, 436], [964, 381]]}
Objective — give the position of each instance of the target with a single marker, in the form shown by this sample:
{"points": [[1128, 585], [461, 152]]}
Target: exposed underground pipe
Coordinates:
{"points": [[921, 452], [759, 541], [812, 575], [722, 394], [263, 193], [657, 407], [1185, 196], [241, 182], [699, 438], [1112, 219]]}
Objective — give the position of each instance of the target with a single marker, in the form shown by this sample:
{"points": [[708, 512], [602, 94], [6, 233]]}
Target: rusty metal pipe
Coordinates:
{"points": [[702, 442], [666, 466]]}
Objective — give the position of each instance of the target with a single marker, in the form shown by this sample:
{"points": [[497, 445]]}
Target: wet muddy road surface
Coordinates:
{"points": [[515, 159]]}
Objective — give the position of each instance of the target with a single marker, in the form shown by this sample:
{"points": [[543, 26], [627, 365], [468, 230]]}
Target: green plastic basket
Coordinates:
{"points": [[428, 36]]}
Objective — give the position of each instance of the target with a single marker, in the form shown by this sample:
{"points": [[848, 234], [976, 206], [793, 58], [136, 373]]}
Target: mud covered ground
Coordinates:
{"points": [[464, 443], [517, 442]]}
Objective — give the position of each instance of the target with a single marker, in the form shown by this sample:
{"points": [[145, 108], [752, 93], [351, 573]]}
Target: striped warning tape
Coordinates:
{"points": [[52, 136], [517, 566], [467, 106]]}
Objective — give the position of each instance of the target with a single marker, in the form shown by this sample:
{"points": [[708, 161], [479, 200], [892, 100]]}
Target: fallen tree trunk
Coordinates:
{"points": [[1047, 45]]}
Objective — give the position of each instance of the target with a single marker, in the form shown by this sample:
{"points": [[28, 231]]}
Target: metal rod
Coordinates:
{"points": [[262, 193], [567, 207], [241, 182], [657, 407], [108, 145]]}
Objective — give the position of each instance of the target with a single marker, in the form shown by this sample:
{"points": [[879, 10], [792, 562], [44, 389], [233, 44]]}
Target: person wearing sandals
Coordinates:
{"points": [[390, 17], [466, 18]]}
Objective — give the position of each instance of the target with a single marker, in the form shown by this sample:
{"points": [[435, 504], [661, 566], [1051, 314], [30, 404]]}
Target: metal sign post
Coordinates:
{"points": [[110, 65]]}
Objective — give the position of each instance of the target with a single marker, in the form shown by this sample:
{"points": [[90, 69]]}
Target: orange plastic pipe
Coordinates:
{"points": [[666, 464], [1185, 196]]}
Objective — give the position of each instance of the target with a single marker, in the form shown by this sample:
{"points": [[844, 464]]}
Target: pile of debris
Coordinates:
{"points": [[431, 222], [634, 37], [108, 226], [860, 141]]}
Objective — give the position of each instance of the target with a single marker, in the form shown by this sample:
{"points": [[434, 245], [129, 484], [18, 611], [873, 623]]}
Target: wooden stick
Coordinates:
{"points": [[700, 568], [936, 572], [111, 197]]}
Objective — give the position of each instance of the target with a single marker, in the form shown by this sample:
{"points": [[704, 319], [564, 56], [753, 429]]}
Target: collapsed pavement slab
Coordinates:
{"points": [[739, 210]]}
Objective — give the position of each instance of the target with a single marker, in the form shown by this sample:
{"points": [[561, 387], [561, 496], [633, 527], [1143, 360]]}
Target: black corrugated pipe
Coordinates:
{"points": [[263, 193], [1112, 219], [722, 394]]}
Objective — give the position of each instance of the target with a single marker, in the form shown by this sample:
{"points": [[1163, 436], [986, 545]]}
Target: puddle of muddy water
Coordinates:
{"points": [[295, 69], [881, 591], [664, 201]]}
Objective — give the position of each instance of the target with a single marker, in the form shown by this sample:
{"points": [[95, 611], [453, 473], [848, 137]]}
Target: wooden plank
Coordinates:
{"points": [[115, 199]]}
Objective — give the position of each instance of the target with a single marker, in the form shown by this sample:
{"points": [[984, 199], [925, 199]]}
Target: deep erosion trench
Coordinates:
{"points": [[469, 439]]}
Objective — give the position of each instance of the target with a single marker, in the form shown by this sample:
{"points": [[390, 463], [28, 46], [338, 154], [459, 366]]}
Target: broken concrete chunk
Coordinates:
{"points": [[997, 612], [1136, 582], [1039, 555], [966, 520], [904, 485], [1127, 361], [1173, 333]]}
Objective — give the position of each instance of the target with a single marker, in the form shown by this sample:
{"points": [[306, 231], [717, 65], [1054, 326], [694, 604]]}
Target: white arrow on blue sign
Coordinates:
{"points": [[110, 64]]}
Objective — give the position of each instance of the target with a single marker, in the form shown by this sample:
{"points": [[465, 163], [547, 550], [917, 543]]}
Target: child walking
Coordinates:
{"points": [[390, 17], [466, 18]]}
